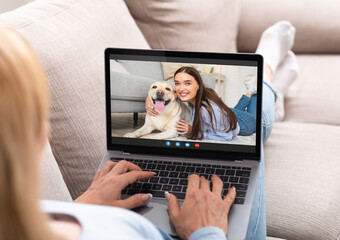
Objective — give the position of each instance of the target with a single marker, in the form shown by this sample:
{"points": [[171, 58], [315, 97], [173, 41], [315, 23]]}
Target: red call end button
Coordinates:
{"points": [[197, 145]]}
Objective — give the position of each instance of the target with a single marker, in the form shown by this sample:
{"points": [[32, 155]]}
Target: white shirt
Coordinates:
{"points": [[102, 222]]}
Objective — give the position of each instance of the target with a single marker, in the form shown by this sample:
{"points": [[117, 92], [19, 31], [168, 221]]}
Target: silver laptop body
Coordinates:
{"points": [[126, 69]]}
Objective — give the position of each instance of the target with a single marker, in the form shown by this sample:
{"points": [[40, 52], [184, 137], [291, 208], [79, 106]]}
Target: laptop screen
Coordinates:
{"points": [[199, 104]]}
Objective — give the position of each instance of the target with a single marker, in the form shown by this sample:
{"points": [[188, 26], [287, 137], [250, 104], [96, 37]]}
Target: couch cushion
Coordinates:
{"points": [[188, 25], [144, 68], [317, 23], [53, 185], [70, 37], [117, 67], [130, 87], [314, 96], [302, 176]]}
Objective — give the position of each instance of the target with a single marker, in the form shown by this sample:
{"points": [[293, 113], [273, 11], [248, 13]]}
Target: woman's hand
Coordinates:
{"points": [[150, 108], [201, 207], [111, 180], [183, 127]]}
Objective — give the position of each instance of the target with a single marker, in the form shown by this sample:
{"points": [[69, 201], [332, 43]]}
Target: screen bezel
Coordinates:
{"points": [[134, 146]]}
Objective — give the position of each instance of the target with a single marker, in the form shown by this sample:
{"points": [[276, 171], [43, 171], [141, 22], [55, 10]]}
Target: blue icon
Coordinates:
{"points": [[187, 144], [168, 143], [178, 144]]}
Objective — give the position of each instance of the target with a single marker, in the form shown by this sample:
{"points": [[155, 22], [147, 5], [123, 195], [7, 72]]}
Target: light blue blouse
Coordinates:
{"points": [[220, 123]]}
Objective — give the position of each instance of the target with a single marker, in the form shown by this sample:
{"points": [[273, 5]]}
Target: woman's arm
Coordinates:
{"points": [[216, 128], [150, 108]]}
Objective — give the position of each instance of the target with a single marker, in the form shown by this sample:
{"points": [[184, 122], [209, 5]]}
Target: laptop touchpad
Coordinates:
{"points": [[157, 213]]}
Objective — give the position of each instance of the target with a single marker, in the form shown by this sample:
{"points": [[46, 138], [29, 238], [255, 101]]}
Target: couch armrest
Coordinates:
{"points": [[130, 87], [53, 185]]}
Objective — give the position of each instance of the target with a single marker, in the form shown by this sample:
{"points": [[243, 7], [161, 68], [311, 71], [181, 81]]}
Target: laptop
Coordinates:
{"points": [[129, 75]]}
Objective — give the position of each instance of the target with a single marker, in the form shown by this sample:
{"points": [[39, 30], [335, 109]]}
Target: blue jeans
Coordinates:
{"points": [[257, 224], [245, 111]]}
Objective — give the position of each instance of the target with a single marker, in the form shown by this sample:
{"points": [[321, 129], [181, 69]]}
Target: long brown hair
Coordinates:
{"points": [[24, 104], [203, 97]]}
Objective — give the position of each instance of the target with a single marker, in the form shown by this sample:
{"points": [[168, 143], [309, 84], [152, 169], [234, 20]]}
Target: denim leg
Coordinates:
{"points": [[268, 110], [257, 228], [246, 121], [245, 111], [252, 105], [243, 103], [249, 104], [257, 224]]}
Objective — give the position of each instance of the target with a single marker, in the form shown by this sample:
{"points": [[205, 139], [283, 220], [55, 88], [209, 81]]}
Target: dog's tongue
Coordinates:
{"points": [[159, 105]]}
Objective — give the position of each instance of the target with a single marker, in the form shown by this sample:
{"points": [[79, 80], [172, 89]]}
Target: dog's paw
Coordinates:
{"points": [[130, 135], [146, 136]]}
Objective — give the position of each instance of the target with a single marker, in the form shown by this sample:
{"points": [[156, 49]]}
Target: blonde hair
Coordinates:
{"points": [[24, 105]]}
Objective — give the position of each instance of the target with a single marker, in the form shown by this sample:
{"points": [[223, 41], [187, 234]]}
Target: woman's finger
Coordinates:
{"points": [[182, 124], [134, 201], [96, 175], [229, 198], [193, 181], [123, 167], [151, 111], [108, 166], [181, 131], [204, 183], [133, 176], [217, 185], [181, 128], [173, 206]]}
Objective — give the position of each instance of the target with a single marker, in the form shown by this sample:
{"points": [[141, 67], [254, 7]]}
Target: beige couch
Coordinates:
{"points": [[302, 157]]}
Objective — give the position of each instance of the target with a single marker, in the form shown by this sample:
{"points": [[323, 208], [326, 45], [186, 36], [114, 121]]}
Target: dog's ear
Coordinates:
{"points": [[175, 94]]}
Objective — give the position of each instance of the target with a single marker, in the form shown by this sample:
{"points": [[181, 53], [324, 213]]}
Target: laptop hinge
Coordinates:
{"points": [[232, 159]]}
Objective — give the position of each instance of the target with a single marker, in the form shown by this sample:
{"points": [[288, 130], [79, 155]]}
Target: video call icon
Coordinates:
{"points": [[187, 144]]}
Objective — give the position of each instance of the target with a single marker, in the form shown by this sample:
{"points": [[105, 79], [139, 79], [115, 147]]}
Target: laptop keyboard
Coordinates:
{"points": [[173, 177]]}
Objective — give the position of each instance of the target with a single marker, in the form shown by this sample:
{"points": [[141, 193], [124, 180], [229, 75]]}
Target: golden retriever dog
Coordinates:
{"points": [[170, 111]]}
